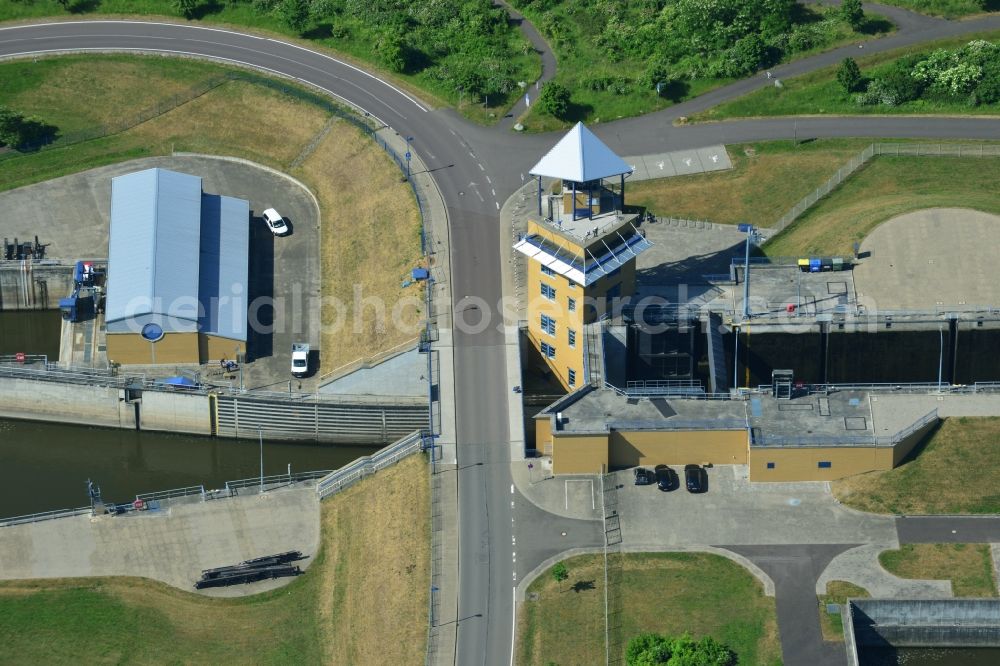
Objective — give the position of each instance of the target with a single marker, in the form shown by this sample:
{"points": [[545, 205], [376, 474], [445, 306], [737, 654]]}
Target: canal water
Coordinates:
{"points": [[930, 656], [45, 466], [31, 332]]}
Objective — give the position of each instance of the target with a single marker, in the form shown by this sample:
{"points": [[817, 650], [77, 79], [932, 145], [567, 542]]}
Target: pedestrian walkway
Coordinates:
{"points": [[403, 374], [173, 544], [679, 163], [860, 566]]}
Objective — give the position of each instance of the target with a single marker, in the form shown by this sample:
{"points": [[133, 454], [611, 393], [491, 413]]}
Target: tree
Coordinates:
{"points": [[554, 99], [849, 76], [649, 649], [294, 13], [852, 13], [560, 572], [18, 130], [186, 8]]}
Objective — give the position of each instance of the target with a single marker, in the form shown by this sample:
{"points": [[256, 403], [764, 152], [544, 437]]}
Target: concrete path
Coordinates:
{"points": [[172, 545], [794, 570], [861, 567], [678, 163], [403, 374]]}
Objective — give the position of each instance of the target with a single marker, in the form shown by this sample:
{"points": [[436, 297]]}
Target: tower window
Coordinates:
{"points": [[548, 292], [548, 324], [548, 351]]}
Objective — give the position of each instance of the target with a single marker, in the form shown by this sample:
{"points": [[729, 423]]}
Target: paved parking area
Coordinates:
{"points": [[75, 219], [928, 258], [737, 512]]}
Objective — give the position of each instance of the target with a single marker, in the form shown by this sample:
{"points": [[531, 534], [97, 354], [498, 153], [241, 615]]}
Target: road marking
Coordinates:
{"points": [[513, 619], [488, 180], [497, 204], [238, 34], [480, 196], [512, 489], [493, 191], [481, 168], [472, 155], [219, 59], [566, 492]]}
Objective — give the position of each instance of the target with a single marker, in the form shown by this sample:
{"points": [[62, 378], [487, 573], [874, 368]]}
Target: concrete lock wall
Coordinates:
{"points": [[103, 406], [926, 623], [719, 447], [27, 286], [579, 454], [808, 463]]}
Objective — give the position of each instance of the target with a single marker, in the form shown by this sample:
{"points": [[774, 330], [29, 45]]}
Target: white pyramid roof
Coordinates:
{"points": [[578, 157]]}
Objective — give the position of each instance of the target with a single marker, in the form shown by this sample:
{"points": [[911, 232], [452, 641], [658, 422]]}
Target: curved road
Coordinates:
{"points": [[476, 169]]}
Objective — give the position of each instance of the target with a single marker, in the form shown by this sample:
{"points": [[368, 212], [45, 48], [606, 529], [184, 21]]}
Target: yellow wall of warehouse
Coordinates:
{"points": [[133, 349], [719, 447], [216, 348], [579, 454], [802, 463]]}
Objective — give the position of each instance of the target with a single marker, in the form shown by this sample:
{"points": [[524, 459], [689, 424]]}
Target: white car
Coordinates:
{"points": [[275, 222]]}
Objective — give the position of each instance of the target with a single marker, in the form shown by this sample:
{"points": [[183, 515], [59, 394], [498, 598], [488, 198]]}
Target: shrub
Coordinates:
{"points": [[186, 8], [648, 649], [560, 572], [554, 100], [746, 56], [294, 14], [852, 13], [849, 76]]}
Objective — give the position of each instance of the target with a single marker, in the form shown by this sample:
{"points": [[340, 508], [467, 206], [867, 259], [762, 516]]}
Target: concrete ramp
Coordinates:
{"points": [[172, 545]]}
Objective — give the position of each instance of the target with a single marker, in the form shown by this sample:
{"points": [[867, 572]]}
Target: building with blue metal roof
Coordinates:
{"points": [[177, 271]]}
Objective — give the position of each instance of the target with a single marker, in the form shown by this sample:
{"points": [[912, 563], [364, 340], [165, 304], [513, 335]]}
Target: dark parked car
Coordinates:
{"points": [[666, 478], [695, 478], [643, 477]]}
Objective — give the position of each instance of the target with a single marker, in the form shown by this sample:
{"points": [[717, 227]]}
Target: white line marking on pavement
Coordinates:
{"points": [[216, 58], [512, 489], [243, 35], [513, 620], [493, 191], [480, 196], [566, 493], [481, 168], [488, 180], [497, 204]]}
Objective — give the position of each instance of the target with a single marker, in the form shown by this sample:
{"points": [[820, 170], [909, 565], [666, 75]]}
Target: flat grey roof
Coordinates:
{"points": [[842, 418], [153, 263]]}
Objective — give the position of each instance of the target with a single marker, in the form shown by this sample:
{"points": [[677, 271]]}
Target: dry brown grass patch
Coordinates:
{"points": [[373, 608], [370, 237]]}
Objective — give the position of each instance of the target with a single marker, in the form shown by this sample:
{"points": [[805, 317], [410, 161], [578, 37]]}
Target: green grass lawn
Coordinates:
{"points": [[837, 592], [968, 566], [923, 485], [884, 188], [767, 179], [818, 92], [669, 593], [347, 38], [946, 8], [339, 611]]}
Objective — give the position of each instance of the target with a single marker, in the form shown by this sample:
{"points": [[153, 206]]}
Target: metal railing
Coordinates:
{"points": [[346, 476], [44, 515], [677, 424], [875, 149]]}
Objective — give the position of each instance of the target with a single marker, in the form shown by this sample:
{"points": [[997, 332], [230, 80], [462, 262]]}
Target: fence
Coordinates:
{"points": [[348, 475], [862, 158]]}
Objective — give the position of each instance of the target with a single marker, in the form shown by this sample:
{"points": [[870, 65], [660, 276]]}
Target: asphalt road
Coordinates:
{"points": [[476, 169]]}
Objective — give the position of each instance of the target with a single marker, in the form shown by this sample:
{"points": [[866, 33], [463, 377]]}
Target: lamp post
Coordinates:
{"points": [[260, 438], [751, 233], [408, 156]]}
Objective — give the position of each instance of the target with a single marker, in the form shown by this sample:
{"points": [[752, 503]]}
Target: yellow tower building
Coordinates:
{"points": [[581, 249]]}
